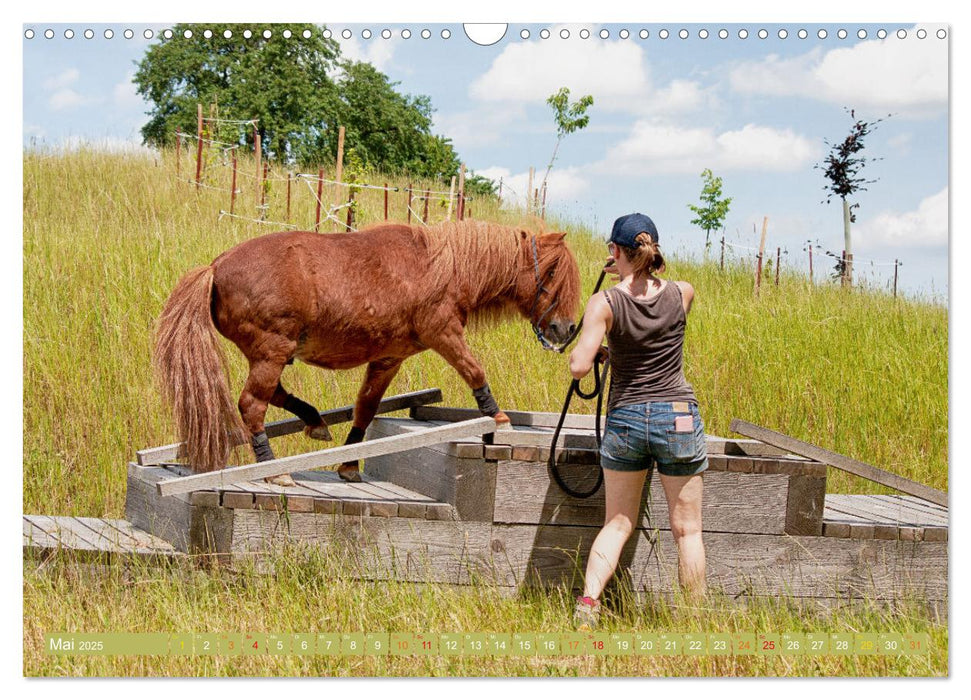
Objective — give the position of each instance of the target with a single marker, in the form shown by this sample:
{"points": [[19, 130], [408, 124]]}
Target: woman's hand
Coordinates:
{"points": [[611, 268], [603, 354]]}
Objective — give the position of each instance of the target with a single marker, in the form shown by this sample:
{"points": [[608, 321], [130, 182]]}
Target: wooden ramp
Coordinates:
{"points": [[463, 510], [91, 538]]}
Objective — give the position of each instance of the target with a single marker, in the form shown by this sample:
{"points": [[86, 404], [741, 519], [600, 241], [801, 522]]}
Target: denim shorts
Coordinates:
{"points": [[640, 434]]}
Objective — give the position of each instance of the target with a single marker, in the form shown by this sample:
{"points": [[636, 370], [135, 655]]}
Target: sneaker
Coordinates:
{"points": [[586, 615]]}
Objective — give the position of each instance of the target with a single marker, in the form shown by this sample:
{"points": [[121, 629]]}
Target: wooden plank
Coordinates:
{"points": [[140, 538], [920, 503], [517, 418], [805, 505], [468, 485], [38, 537], [399, 493], [68, 533], [334, 455], [842, 462], [289, 426], [737, 564], [897, 514], [733, 502]]}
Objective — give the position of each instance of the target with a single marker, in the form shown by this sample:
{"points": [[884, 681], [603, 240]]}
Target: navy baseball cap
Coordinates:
{"points": [[627, 227]]}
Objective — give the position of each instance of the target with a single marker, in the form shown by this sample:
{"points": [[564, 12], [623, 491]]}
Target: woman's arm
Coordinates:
{"points": [[591, 337], [687, 295]]}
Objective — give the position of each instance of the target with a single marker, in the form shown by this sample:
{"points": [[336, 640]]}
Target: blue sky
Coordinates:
{"points": [[754, 110]]}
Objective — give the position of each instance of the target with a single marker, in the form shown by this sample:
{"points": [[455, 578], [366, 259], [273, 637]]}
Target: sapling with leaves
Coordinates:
{"points": [[568, 117]]}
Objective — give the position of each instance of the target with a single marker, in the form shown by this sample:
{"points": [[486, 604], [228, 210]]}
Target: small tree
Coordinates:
{"points": [[568, 117], [712, 213], [842, 168]]}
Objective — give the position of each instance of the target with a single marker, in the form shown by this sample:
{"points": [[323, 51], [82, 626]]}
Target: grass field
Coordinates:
{"points": [[107, 236]]}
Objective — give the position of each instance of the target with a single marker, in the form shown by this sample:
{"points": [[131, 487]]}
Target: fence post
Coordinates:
{"points": [[778, 260], [896, 266], [340, 170], [758, 264], [232, 198], [259, 158], [320, 193], [425, 213], [263, 191], [288, 198], [409, 203], [722, 263], [199, 145], [529, 192], [810, 263], [543, 214], [178, 153], [462, 192], [843, 269], [386, 201], [451, 196], [350, 211], [500, 191]]}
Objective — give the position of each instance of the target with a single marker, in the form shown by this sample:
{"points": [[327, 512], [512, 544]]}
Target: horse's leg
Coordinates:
{"points": [[261, 384], [451, 345], [376, 381], [315, 427]]}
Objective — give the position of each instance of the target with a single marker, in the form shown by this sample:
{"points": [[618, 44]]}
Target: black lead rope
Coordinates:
{"points": [[599, 379]]}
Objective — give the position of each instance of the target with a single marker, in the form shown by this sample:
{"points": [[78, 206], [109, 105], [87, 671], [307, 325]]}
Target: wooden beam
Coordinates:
{"points": [[841, 462], [333, 455], [524, 418], [166, 453]]}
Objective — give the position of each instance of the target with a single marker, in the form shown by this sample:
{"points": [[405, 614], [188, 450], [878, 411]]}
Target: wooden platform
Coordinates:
{"points": [[91, 538], [465, 511]]}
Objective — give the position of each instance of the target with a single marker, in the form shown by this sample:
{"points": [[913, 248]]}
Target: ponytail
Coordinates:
{"points": [[647, 257]]}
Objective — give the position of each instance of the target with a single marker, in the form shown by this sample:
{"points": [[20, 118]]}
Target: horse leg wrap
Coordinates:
{"points": [[485, 400], [261, 446], [302, 410]]}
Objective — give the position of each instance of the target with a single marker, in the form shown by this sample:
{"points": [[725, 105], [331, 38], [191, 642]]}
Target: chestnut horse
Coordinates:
{"points": [[377, 296]]}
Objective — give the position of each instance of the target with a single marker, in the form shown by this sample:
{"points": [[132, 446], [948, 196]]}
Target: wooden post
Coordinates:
{"points": [[778, 260], [451, 196], [409, 203], [232, 199], [461, 215], [288, 198], [178, 152], [425, 213], [199, 145], [350, 211], [848, 266], [529, 192], [500, 191], [722, 263], [320, 193], [896, 266], [810, 263], [386, 201], [758, 264], [543, 214], [263, 187], [259, 158], [340, 169]]}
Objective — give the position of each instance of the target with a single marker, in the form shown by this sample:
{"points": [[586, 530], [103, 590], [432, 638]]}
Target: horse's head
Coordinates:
{"points": [[549, 286]]}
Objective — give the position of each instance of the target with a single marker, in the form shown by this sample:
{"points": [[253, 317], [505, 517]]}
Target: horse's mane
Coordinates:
{"points": [[478, 257]]}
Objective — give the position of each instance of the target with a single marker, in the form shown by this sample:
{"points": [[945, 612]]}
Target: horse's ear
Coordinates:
{"points": [[556, 237]]}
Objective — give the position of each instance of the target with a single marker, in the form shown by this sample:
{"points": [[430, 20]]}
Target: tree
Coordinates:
{"points": [[568, 117], [300, 91], [843, 167], [713, 211]]}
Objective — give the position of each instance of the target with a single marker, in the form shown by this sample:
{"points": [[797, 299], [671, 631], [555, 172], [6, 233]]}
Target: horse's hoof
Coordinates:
{"points": [[284, 480], [350, 474], [503, 422], [318, 432]]}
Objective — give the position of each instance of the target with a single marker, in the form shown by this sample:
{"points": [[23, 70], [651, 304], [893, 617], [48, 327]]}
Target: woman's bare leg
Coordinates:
{"points": [[623, 491], [684, 505]]}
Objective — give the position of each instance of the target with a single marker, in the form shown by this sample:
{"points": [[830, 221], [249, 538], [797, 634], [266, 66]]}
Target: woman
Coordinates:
{"points": [[652, 413]]}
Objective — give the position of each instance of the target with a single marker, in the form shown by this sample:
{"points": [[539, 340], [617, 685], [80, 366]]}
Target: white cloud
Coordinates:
{"points": [[479, 127], [654, 147], [907, 77], [124, 95], [563, 184], [62, 80], [33, 131], [377, 52], [924, 227], [65, 99], [530, 71]]}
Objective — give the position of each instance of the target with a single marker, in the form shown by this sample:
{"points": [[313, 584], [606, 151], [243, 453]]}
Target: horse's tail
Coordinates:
{"points": [[190, 369]]}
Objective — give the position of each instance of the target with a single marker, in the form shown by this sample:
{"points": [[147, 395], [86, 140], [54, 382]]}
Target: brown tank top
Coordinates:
{"points": [[646, 341]]}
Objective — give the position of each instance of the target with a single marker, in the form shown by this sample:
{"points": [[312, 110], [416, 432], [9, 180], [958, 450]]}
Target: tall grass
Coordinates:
{"points": [[107, 236]]}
